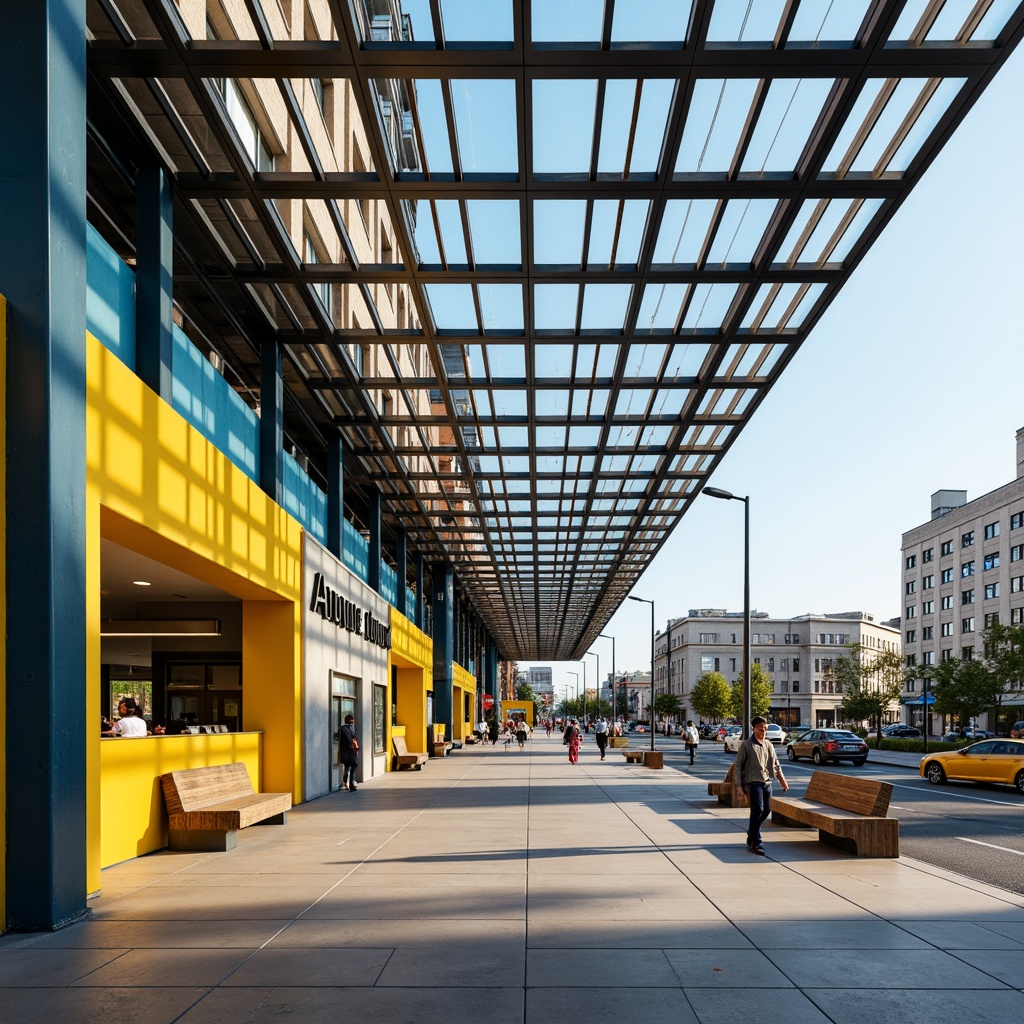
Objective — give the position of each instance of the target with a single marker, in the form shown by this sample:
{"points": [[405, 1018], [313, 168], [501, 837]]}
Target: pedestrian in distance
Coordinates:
{"points": [[601, 734], [575, 741], [755, 766], [348, 753], [522, 733], [692, 739]]}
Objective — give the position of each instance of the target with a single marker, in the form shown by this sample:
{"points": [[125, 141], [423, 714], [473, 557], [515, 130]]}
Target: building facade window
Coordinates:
{"points": [[947, 602], [928, 582], [1016, 584], [927, 632], [947, 628], [967, 539], [911, 587], [911, 611], [947, 547], [946, 654], [947, 575], [1016, 520], [911, 636], [991, 591], [991, 530], [928, 658], [967, 625], [967, 569], [927, 607], [709, 638], [991, 560], [1017, 552], [1017, 616], [992, 619], [967, 597], [911, 561], [926, 555]]}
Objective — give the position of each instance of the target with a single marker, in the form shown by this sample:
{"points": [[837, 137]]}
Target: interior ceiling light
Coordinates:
{"points": [[142, 583], [160, 627]]}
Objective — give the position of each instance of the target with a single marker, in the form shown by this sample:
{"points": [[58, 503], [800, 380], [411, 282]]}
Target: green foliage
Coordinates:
{"points": [[711, 697], [1004, 658], [962, 689], [666, 704], [871, 682], [760, 693]]}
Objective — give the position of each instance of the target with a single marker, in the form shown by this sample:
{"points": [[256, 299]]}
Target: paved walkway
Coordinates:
{"points": [[514, 887]]}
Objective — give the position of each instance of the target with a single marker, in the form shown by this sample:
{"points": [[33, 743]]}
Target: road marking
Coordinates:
{"points": [[991, 846], [959, 795]]}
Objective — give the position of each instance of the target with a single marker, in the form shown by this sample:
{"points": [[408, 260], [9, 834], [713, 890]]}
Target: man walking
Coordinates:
{"points": [[692, 739], [601, 734], [756, 765], [348, 753]]}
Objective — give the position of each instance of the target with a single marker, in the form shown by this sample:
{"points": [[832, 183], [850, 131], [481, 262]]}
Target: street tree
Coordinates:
{"points": [[1004, 657], [760, 693], [666, 704], [871, 682], [962, 689], [711, 697]]}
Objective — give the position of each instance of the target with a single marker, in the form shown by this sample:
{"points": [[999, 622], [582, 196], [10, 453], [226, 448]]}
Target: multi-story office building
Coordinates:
{"points": [[542, 684], [963, 571], [798, 654]]}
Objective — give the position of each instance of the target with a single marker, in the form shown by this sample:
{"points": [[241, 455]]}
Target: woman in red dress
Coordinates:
{"points": [[575, 742]]}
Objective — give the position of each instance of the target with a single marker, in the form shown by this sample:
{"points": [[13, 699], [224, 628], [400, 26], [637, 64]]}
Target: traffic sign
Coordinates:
{"points": [[487, 701]]}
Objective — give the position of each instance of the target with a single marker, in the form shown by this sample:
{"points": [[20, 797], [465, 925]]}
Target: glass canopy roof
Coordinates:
{"points": [[538, 263]]}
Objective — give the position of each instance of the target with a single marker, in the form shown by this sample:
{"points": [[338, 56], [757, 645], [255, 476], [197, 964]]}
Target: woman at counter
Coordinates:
{"points": [[130, 723]]}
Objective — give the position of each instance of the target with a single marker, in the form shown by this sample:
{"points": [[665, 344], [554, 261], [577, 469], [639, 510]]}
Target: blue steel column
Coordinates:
{"points": [[375, 540], [154, 280], [272, 421], [420, 578], [492, 671], [336, 497], [443, 609], [42, 273], [401, 570]]}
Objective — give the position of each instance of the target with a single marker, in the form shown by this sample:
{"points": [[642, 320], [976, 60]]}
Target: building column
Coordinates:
{"points": [[374, 558], [420, 583], [443, 614], [154, 280], [401, 569], [42, 273], [336, 497], [272, 421]]}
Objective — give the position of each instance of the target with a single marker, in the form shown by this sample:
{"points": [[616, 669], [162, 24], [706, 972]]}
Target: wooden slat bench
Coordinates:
{"points": [[633, 756], [847, 812], [207, 806], [727, 791], [405, 758]]}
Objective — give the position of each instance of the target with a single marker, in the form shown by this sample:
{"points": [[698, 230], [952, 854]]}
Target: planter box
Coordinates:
{"points": [[654, 759], [620, 741]]}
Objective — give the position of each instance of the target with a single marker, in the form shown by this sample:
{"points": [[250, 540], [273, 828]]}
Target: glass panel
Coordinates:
{"points": [[717, 116], [434, 140], [567, 21], [604, 306], [558, 231], [562, 143], [630, 227], [659, 308], [485, 121], [650, 21], [756, 20], [741, 231], [619, 100], [828, 21], [501, 306], [789, 114], [925, 123], [555, 306], [470, 20], [684, 230], [709, 306], [451, 306], [495, 231]]}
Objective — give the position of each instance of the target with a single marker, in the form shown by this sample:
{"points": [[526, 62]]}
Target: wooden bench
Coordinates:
{"points": [[847, 812], [727, 791], [207, 806], [404, 758], [633, 756], [442, 747]]}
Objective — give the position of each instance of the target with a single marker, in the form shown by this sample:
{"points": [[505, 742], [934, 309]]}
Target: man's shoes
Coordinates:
{"points": [[352, 788], [750, 846], [759, 850]]}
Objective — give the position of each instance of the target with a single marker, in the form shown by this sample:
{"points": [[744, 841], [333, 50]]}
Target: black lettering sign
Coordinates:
{"points": [[326, 602]]}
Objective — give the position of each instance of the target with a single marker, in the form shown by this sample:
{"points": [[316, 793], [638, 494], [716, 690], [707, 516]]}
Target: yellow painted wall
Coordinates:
{"points": [[131, 825], [464, 685], [516, 707], [157, 486], [3, 609], [412, 657]]}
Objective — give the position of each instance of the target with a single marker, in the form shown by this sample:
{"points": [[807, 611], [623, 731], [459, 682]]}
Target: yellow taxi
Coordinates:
{"points": [[993, 760]]}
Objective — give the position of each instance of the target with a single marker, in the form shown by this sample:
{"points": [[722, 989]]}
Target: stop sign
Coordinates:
{"points": [[487, 701]]}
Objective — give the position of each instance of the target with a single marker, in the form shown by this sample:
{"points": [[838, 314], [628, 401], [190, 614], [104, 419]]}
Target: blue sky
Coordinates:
{"points": [[910, 383]]}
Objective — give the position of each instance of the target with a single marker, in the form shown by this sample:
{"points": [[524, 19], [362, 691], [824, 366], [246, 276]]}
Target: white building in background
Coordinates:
{"points": [[797, 653], [962, 571], [542, 683]]}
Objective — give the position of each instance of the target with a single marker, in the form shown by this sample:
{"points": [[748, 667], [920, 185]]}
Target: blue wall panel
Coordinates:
{"points": [[304, 500], [109, 298]]}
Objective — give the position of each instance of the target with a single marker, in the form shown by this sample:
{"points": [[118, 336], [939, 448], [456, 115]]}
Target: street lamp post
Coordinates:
{"points": [[584, 664], [644, 600], [605, 636], [576, 685], [597, 685], [717, 492]]}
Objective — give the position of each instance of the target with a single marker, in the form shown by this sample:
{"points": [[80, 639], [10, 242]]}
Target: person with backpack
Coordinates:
{"points": [[601, 734], [692, 738]]}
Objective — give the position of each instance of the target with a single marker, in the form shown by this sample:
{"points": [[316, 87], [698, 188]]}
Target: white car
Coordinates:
{"points": [[775, 734]]}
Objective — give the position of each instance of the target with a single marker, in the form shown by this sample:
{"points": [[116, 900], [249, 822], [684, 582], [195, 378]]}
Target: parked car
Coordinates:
{"points": [[824, 745], [985, 761], [733, 739], [775, 733], [1017, 730], [901, 732], [968, 734], [797, 731]]}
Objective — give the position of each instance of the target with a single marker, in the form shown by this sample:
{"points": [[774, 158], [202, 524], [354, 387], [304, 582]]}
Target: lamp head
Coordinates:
{"points": [[717, 492]]}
